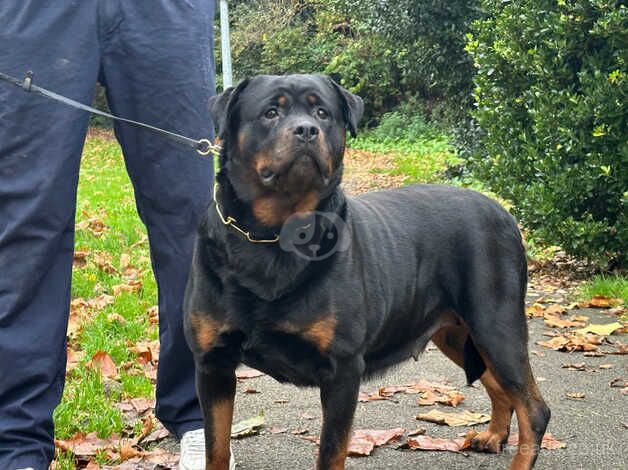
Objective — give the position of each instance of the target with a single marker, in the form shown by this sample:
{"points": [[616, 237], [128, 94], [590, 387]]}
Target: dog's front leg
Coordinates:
{"points": [[339, 396], [216, 392]]}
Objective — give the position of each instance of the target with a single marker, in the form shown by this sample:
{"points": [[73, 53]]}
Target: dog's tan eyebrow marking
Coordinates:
{"points": [[312, 99], [282, 100]]}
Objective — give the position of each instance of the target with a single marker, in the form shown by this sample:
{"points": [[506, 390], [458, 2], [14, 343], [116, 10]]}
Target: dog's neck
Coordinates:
{"points": [[230, 205], [251, 260]]}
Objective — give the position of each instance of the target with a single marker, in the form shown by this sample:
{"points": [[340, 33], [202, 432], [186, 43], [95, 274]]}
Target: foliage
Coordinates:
{"points": [[418, 51], [431, 35], [551, 86]]}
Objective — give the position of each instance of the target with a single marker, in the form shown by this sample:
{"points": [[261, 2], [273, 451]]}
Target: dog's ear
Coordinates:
{"points": [[221, 106], [352, 107]]}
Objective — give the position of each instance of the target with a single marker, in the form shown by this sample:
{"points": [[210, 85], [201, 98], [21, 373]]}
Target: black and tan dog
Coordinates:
{"points": [[377, 277]]}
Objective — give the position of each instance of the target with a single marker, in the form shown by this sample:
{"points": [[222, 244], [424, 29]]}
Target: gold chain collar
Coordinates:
{"points": [[233, 223]]}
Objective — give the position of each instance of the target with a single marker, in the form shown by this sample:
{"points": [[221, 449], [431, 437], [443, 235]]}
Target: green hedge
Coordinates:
{"points": [[551, 93]]}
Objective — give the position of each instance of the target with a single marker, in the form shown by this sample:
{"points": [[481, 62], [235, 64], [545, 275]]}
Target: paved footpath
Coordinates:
{"points": [[594, 429]]}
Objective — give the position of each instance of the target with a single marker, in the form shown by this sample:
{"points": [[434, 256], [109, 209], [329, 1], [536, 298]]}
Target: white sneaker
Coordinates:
{"points": [[193, 451]]}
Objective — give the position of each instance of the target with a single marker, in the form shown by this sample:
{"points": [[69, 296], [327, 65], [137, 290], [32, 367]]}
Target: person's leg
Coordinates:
{"points": [[40, 148], [158, 68]]}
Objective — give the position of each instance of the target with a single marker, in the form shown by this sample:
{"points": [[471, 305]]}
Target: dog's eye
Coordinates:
{"points": [[271, 113], [321, 113]]}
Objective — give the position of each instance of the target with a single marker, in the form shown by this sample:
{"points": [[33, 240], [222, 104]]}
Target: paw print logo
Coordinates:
{"points": [[314, 235]]}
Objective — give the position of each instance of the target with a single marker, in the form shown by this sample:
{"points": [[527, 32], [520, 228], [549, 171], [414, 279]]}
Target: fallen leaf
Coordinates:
{"points": [[578, 396], [116, 317], [248, 373], [86, 444], [101, 301], [556, 322], [578, 366], [600, 329], [450, 398], [535, 311], [131, 286], [250, 391], [363, 441], [277, 430], [103, 261], [434, 443], [127, 451], [102, 363], [464, 418], [605, 366], [555, 309], [80, 258], [548, 442], [601, 301], [248, 427]]}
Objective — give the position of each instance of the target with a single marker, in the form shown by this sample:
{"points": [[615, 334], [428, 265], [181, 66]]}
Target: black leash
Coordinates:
{"points": [[202, 146]]}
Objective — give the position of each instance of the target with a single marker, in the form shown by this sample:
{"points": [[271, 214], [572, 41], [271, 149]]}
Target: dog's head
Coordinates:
{"points": [[284, 140]]}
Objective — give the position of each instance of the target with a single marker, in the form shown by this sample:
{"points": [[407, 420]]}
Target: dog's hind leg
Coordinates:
{"points": [[453, 341], [339, 397], [499, 331], [216, 391]]}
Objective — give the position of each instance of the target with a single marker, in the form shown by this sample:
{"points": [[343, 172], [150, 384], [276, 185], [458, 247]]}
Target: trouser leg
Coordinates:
{"points": [[40, 148], [158, 68]]}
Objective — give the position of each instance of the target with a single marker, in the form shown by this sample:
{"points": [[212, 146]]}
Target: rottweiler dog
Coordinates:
{"points": [[312, 287]]}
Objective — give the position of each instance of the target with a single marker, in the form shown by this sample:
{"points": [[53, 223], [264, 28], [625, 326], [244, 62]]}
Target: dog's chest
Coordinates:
{"points": [[289, 340]]}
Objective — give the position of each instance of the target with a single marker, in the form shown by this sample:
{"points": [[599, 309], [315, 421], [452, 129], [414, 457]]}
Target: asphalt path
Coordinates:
{"points": [[594, 428]]}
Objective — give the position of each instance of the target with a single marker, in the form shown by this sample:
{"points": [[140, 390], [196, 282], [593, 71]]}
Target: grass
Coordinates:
{"points": [[614, 286], [105, 195]]}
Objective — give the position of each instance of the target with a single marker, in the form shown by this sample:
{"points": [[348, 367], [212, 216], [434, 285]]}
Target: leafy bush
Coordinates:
{"points": [[551, 89]]}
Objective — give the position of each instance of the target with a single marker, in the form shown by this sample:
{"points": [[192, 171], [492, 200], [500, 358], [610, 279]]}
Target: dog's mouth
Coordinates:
{"points": [[306, 169]]}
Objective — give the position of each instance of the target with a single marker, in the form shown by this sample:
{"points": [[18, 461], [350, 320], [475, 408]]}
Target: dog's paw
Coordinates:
{"points": [[489, 441]]}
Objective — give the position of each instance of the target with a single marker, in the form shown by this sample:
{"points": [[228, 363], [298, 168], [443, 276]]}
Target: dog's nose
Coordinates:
{"points": [[306, 132]]}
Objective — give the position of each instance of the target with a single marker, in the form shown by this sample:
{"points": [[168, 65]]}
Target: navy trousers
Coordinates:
{"points": [[155, 59]]}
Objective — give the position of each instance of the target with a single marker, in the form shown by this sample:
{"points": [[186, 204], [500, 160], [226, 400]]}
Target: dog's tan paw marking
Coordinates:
{"points": [[489, 441]]}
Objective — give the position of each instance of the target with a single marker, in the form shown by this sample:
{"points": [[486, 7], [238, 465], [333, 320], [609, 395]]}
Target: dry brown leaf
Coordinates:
{"points": [[580, 366], [247, 373], [80, 258], [601, 301], [549, 442], [103, 261], [553, 321], [464, 418], [450, 398], [535, 311], [434, 443], [73, 359], [116, 317], [579, 396], [277, 430], [127, 451], [101, 301], [102, 363], [86, 445], [555, 309], [131, 286]]}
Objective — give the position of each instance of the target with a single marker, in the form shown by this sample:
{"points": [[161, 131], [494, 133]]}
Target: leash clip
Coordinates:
{"points": [[28, 81], [205, 147]]}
